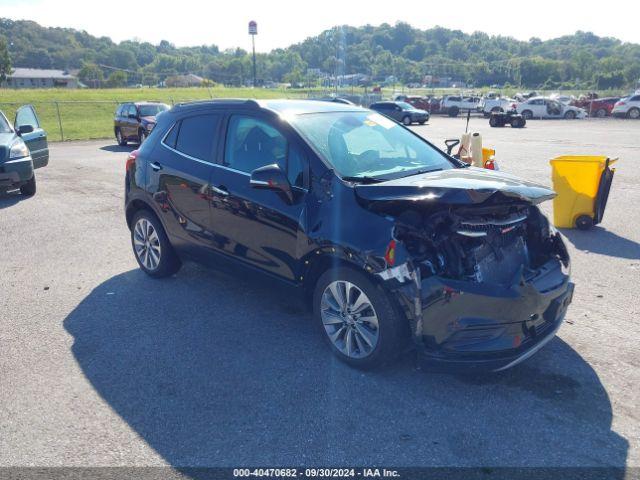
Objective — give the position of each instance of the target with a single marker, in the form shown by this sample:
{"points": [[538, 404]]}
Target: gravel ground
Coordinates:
{"points": [[103, 366]]}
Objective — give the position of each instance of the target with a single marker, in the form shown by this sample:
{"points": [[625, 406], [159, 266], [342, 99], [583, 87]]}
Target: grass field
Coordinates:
{"points": [[88, 114]]}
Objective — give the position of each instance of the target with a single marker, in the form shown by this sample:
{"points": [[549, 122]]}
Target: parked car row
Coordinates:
{"points": [[530, 105]]}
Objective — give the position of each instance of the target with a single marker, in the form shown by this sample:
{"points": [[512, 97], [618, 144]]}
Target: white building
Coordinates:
{"points": [[39, 78]]}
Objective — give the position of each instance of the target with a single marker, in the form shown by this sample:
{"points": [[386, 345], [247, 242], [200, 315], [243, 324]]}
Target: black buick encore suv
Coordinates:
{"points": [[390, 240]]}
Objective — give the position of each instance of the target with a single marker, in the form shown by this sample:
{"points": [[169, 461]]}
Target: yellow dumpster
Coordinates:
{"points": [[582, 183]]}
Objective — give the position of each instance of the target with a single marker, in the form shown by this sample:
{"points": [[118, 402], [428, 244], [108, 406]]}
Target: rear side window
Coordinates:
{"points": [[172, 136], [195, 136]]}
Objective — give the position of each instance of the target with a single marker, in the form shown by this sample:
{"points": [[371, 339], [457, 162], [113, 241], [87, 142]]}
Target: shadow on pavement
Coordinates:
{"points": [[604, 242], [214, 370], [119, 149]]}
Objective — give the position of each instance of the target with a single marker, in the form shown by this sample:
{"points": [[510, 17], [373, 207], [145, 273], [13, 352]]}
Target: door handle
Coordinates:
{"points": [[156, 166], [221, 190]]}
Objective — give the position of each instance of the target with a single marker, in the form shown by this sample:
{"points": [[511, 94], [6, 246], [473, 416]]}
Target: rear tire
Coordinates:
{"points": [[151, 247], [142, 136], [453, 111], [355, 341], [494, 122], [601, 113], [120, 138], [29, 188], [527, 114]]}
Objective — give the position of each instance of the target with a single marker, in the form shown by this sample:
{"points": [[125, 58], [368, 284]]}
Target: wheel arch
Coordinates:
{"points": [[319, 261], [135, 206]]}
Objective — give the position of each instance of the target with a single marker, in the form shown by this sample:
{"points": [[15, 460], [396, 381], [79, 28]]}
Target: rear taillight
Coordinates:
{"points": [[131, 160], [619, 104]]}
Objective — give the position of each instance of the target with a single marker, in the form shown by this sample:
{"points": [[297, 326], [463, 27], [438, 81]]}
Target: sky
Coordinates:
{"points": [[283, 22]]}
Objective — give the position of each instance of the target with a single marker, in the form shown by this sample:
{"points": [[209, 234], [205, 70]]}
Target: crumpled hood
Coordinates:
{"points": [[457, 186]]}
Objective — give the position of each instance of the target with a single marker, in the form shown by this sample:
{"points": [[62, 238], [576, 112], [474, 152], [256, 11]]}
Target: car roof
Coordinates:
{"points": [[280, 106]]}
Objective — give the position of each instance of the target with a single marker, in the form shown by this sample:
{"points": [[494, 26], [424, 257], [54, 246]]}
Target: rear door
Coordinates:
{"points": [[36, 140], [178, 179]]}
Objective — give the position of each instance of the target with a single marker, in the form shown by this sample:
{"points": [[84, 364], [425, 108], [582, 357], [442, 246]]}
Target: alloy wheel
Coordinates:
{"points": [[146, 244], [634, 113], [349, 319]]}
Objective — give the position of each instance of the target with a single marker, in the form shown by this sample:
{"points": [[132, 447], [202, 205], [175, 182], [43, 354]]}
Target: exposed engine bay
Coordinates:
{"points": [[484, 244]]}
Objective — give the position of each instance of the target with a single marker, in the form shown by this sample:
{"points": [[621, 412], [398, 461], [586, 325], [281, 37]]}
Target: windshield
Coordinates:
{"points": [[4, 125], [367, 144], [151, 110], [406, 106]]}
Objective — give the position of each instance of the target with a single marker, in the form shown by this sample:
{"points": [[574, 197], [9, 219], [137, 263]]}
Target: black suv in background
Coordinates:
{"points": [[135, 121], [401, 112], [386, 236]]}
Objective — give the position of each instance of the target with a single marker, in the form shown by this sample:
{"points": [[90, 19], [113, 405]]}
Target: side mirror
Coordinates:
{"points": [[22, 129], [271, 177]]}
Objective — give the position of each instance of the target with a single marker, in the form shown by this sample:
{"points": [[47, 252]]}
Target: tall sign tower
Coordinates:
{"points": [[253, 31]]}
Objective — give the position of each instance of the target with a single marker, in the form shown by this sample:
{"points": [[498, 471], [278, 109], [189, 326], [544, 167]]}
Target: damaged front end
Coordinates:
{"points": [[483, 284]]}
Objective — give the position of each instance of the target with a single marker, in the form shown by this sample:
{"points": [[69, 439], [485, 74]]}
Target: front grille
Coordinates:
{"points": [[481, 228]]}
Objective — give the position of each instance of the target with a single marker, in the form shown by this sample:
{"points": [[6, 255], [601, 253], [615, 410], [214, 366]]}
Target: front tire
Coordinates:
{"points": [[406, 120], [570, 115], [527, 114], [153, 251], [634, 113], [601, 113], [29, 188], [357, 318], [142, 136], [453, 111]]}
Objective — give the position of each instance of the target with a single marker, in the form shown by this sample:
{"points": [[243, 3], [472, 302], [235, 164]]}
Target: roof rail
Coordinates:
{"points": [[232, 101]]}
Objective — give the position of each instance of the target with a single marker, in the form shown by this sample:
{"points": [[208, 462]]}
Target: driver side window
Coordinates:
{"points": [[253, 143]]}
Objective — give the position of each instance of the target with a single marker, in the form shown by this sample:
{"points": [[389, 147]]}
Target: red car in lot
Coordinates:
{"points": [[429, 104], [601, 107]]}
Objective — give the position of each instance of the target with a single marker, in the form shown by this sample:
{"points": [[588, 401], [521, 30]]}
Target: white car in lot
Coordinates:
{"points": [[496, 104], [627, 107], [542, 107], [452, 105]]}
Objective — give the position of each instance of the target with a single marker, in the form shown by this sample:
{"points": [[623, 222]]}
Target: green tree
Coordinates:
{"points": [[117, 79], [5, 60], [91, 75]]}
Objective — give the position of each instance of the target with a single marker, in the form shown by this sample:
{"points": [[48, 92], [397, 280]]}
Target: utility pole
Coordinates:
{"points": [[253, 31]]}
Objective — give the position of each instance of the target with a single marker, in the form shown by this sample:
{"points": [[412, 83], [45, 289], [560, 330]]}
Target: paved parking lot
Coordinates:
{"points": [[102, 366]]}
